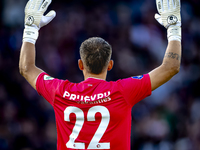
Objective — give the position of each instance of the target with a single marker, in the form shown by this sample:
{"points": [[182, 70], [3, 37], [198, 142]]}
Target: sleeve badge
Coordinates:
{"points": [[46, 77], [138, 77]]}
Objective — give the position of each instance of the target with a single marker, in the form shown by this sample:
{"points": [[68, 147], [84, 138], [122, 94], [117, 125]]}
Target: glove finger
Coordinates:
{"points": [[159, 6], [45, 5], [178, 7], [47, 18], [38, 4], [32, 4], [52, 13], [158, 18], [171, 4], [166, 5], [28, 5], [178, 4]]}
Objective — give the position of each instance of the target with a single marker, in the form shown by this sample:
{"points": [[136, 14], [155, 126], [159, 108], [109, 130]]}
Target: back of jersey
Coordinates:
{"points": [[93, 114]]}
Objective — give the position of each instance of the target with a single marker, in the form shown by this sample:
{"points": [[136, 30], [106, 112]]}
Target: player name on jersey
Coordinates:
{"points": [[93, 99]]}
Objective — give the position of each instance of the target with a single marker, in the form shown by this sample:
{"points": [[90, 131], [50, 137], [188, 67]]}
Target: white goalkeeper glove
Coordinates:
{"points": [[170, 17], [34, 18]]}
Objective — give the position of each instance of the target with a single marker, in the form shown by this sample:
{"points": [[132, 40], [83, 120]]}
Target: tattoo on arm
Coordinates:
{"points": [[173, 56]]}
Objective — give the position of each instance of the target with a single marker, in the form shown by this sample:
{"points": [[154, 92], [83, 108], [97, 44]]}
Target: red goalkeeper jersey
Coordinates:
{"points": [[93, 114]]}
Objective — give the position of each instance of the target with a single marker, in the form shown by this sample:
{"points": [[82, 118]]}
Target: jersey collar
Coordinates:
{"points": [[95, 78]]}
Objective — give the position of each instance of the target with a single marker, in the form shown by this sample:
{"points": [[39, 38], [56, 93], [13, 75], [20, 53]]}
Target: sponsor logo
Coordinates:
{"points": [[138, 77], [93, 99], [46, 77], [172, 19], [29, 20], [159, 5], [45, 4]]}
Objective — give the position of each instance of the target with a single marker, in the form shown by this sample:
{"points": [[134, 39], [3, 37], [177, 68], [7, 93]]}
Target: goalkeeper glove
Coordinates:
{"points": [[169, 16], [34, 18]]}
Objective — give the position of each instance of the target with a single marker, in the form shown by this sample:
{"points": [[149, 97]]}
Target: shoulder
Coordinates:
{"points": [[136, 78], [46, 79], [134, 81]]}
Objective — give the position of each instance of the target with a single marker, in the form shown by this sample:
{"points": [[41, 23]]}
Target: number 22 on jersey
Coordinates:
{"points": [[94, 143]]}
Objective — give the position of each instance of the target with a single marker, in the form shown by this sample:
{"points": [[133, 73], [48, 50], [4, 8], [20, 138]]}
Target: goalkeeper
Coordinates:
{"points": [[96, 114]]}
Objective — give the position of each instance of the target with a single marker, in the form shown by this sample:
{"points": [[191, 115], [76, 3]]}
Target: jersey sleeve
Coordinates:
{"points": [[47, 86], [136, 88]]}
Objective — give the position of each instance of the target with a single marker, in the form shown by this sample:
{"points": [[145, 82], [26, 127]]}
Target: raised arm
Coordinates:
{"points": [[34, 20], [169, 67], [170, 18]]}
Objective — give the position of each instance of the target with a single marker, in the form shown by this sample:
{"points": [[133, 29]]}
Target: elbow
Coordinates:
{"points": [[22, 70], [178, 69], [175, 70], [172, 69]]}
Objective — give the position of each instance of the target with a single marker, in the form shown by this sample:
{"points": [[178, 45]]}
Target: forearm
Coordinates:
{"points": [[27, 57], [27, 66], [172, 58]]}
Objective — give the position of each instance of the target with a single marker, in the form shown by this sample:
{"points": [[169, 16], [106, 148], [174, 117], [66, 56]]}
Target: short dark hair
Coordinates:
{"points": [[95, 53]]}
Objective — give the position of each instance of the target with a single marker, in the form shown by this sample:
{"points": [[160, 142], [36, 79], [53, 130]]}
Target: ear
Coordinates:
{"points": [[110, 65], [80, 64]]}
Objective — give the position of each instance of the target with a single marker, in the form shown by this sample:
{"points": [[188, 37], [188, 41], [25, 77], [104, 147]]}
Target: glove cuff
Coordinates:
{"points": [[174, 33], [30, 34]]}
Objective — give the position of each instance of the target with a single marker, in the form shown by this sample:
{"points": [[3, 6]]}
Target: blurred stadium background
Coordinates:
{"points": [[167, 120]]}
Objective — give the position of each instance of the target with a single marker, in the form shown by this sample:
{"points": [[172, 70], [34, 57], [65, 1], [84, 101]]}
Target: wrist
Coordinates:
{"points": [[174, 32], [30, 34]]}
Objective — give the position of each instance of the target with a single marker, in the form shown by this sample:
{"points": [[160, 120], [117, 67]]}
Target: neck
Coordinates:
{"points": [[99, 76]]}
